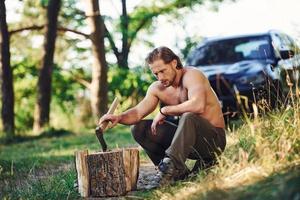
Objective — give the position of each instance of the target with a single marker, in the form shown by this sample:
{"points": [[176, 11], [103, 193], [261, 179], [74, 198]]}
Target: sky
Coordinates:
{"points": [[246, 16], [239, 17]]}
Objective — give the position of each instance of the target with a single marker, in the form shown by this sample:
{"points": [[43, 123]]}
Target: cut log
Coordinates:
{"points": [[131, 165], [112, 173], [82, 172], [107, 174]]}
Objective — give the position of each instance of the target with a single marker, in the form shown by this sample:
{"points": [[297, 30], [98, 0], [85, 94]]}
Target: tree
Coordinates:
{"points": [[7, 89], [129, 27], [42, 108], [131, 24], [98, 85]]}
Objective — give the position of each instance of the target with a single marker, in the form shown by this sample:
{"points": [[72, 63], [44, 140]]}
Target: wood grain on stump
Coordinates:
{"points": [[82, 172], [111, 173]]}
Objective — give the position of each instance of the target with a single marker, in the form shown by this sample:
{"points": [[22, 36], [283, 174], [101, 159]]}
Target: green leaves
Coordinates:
{"points": [[129, 85]]}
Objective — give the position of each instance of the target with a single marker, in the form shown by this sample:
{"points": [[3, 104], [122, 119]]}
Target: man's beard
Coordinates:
{"points": [[168, 83]]}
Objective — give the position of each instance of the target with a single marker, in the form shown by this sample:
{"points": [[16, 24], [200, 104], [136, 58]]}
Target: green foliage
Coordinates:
{"points": [[71, 15], [65, 91], [129, 85], [44, 3], [246, 142], [65, 88], [70, 103], [25, 80], [141, 18], [33, 9], [189, 44]]}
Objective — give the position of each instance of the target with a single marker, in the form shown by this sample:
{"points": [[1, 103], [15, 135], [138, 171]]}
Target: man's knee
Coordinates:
{"points": [[136, 133], [187, 116], [139, 130]]}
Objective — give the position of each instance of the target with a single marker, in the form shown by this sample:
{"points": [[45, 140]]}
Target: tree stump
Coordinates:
{"points": [[104, 174]]}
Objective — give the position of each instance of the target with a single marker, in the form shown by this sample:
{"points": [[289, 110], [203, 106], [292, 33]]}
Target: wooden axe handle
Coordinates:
{"points": [[111, 110]]}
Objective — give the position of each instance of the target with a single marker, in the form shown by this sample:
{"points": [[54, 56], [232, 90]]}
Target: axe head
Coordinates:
{"points": [[99, 134]]}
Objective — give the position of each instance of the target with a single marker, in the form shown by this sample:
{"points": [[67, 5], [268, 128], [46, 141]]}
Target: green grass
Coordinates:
{"points": [[43, 167], [261, 161]]}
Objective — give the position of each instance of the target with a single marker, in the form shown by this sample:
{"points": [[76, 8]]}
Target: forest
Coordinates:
{"points": [[62, 65]]}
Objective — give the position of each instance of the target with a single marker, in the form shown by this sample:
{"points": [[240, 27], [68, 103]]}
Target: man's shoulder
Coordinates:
{"points": [[192, 73], [155, 87], [191, 69]]}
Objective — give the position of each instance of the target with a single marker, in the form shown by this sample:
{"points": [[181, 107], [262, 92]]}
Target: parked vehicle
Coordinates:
{"points": [[248, 69]]}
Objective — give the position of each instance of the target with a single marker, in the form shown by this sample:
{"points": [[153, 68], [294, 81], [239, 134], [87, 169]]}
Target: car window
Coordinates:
{"points": [[254, 49], [231, 50]]}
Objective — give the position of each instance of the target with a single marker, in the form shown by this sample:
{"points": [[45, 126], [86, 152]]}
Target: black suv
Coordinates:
{"points": [[248, 69]]}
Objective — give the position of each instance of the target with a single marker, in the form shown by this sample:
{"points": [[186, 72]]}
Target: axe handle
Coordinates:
{"points": [[111, 110]]}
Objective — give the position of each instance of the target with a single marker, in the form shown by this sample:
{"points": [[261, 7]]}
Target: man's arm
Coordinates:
{"points": [[195, 83], [145, 107]]}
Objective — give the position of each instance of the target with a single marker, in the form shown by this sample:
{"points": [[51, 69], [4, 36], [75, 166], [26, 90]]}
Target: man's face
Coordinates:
{"points": [[164, 72]]}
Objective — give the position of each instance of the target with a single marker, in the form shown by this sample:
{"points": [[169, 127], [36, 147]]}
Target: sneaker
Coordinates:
{"points": [[168, 173]]}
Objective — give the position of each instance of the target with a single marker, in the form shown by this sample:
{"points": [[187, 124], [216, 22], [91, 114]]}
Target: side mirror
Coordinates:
{"points": [[286, 54]]}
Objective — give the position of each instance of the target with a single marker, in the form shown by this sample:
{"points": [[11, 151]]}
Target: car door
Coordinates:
{"points": [[288, 54]]}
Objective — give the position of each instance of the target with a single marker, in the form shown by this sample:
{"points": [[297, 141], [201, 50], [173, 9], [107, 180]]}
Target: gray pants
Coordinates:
{"points": [[193, 138]]}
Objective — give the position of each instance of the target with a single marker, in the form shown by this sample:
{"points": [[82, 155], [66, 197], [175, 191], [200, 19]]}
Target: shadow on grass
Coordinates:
{"points": [[51, 132], [280, 185], [43, 167], [31, 179], [27, 166]]}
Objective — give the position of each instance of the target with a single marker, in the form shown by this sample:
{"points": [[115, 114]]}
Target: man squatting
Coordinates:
{"points": [[198, 134]]}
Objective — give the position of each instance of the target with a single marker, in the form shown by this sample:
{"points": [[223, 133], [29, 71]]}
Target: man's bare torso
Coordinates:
{"points": [[173, 96]]}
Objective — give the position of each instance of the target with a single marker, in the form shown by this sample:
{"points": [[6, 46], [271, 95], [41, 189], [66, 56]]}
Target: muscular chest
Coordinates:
{"points": [[173, 96]]}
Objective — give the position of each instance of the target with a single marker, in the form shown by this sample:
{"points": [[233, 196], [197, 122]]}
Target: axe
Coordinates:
{"points": [[101, 128]]}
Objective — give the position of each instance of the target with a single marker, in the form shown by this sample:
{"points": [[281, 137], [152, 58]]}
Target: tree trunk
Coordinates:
{"points": [[99, 97], [7, 89], [104, 174], [42, 107], [123, 58]]}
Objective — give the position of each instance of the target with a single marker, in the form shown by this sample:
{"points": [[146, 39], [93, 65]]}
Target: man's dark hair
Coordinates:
{"points": [[164, 53]]}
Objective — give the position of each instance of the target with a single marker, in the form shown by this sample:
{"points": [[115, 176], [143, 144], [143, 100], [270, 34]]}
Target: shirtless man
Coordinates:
{"points": [[185, 92]]}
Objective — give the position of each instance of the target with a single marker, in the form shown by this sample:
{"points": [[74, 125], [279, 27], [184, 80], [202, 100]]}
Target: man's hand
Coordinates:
{"points": [[159, 119], [114, 119]]}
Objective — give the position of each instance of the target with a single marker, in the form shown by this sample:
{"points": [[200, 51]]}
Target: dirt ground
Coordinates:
{"points": [[146, 177]]}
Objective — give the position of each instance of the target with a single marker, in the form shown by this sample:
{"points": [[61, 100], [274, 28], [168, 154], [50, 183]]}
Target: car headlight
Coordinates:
{"points": [[257, 79]]}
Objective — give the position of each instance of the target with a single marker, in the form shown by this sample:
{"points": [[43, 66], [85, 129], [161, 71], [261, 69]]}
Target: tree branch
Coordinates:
{"points": [[34, 27], [111, 41], [155, 11], [83, 82], [142, 23], [80, 80], [39, 27], [124, 26], [63, 29]]}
